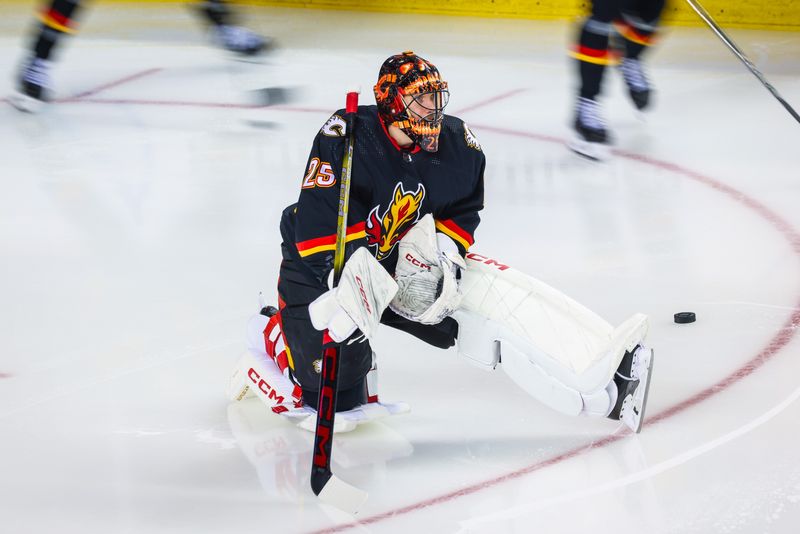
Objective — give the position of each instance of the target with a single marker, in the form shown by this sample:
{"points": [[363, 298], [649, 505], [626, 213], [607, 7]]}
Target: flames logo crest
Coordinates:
{"points": [[385, 231]]}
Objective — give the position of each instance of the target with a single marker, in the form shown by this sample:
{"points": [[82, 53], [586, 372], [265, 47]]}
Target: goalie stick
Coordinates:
{"points": [[700, 10], [324, 483]]}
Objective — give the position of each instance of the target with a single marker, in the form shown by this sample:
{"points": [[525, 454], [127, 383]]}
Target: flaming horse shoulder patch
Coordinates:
{"points": [[335, 127], [385, 231], [470, 138]]}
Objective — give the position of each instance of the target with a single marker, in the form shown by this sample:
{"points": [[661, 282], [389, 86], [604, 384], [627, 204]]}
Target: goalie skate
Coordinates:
{"points": [[634, 388]]}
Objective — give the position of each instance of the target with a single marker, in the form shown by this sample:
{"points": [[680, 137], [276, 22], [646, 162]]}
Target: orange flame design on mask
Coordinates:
{"points": [[398, 218], [425, 84], [383, 86]]}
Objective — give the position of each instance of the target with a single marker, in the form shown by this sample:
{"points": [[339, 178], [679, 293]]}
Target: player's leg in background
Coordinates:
{"points": [[226, 33], [637, 29], [55, 20], [592, 54]]}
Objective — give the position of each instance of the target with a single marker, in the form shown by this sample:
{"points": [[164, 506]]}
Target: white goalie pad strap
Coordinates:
{"points": [[600, 403], [426, 274], [364, 291], [477, 339], [372, 380]]}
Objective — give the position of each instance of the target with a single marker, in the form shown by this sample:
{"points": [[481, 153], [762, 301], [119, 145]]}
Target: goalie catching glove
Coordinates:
{"points": [[427, 274]]}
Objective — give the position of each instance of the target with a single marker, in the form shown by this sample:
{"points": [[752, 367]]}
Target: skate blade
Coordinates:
{"points": [[646, 392], [25, 103], [594, 151]]}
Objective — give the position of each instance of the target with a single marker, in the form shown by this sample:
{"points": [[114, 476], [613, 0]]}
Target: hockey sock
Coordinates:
{"points": [[636, 39], [638, 26], [56, 20], [593, 54]]}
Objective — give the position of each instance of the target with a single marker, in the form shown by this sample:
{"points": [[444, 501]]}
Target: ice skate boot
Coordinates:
{"points": [[590, 140], [33, 86], [240, 40], [635, 79], [226, 34], [633, 385]]}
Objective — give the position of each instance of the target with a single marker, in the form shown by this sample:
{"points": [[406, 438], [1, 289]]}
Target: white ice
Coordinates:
{"points": [[139, 220]]}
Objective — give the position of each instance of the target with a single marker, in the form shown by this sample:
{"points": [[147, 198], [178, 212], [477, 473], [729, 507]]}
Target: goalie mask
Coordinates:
{"points": [[419, 115]]}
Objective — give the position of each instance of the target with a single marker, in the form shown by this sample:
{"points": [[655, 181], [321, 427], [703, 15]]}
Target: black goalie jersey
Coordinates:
{"points": [[391, 188]]}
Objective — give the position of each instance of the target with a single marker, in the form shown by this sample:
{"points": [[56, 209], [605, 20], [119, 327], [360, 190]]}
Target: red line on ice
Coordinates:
{"points": [[783, 336], [489, 101], [116, 83], [183, 103]]}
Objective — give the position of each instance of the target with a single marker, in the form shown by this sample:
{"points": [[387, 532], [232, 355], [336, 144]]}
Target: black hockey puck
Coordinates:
{"points": [[685, 317]]}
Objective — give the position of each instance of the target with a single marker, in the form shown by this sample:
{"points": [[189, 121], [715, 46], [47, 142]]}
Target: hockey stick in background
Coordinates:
{"points": [[272, 96], [324, 483], [700, 10]]}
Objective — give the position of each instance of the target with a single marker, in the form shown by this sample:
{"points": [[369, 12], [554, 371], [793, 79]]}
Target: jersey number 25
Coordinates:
{"points": [[320, 174]]}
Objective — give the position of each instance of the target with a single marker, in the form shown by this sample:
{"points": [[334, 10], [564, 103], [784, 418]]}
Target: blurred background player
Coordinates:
{"points": [[617, 32], [58, 18]]}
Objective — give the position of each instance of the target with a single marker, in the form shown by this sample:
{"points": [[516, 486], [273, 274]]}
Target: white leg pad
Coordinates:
{"points": [[531, 377], [257, 374], [486, 343], [556, 349], [255, 332], [477, 340]]}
